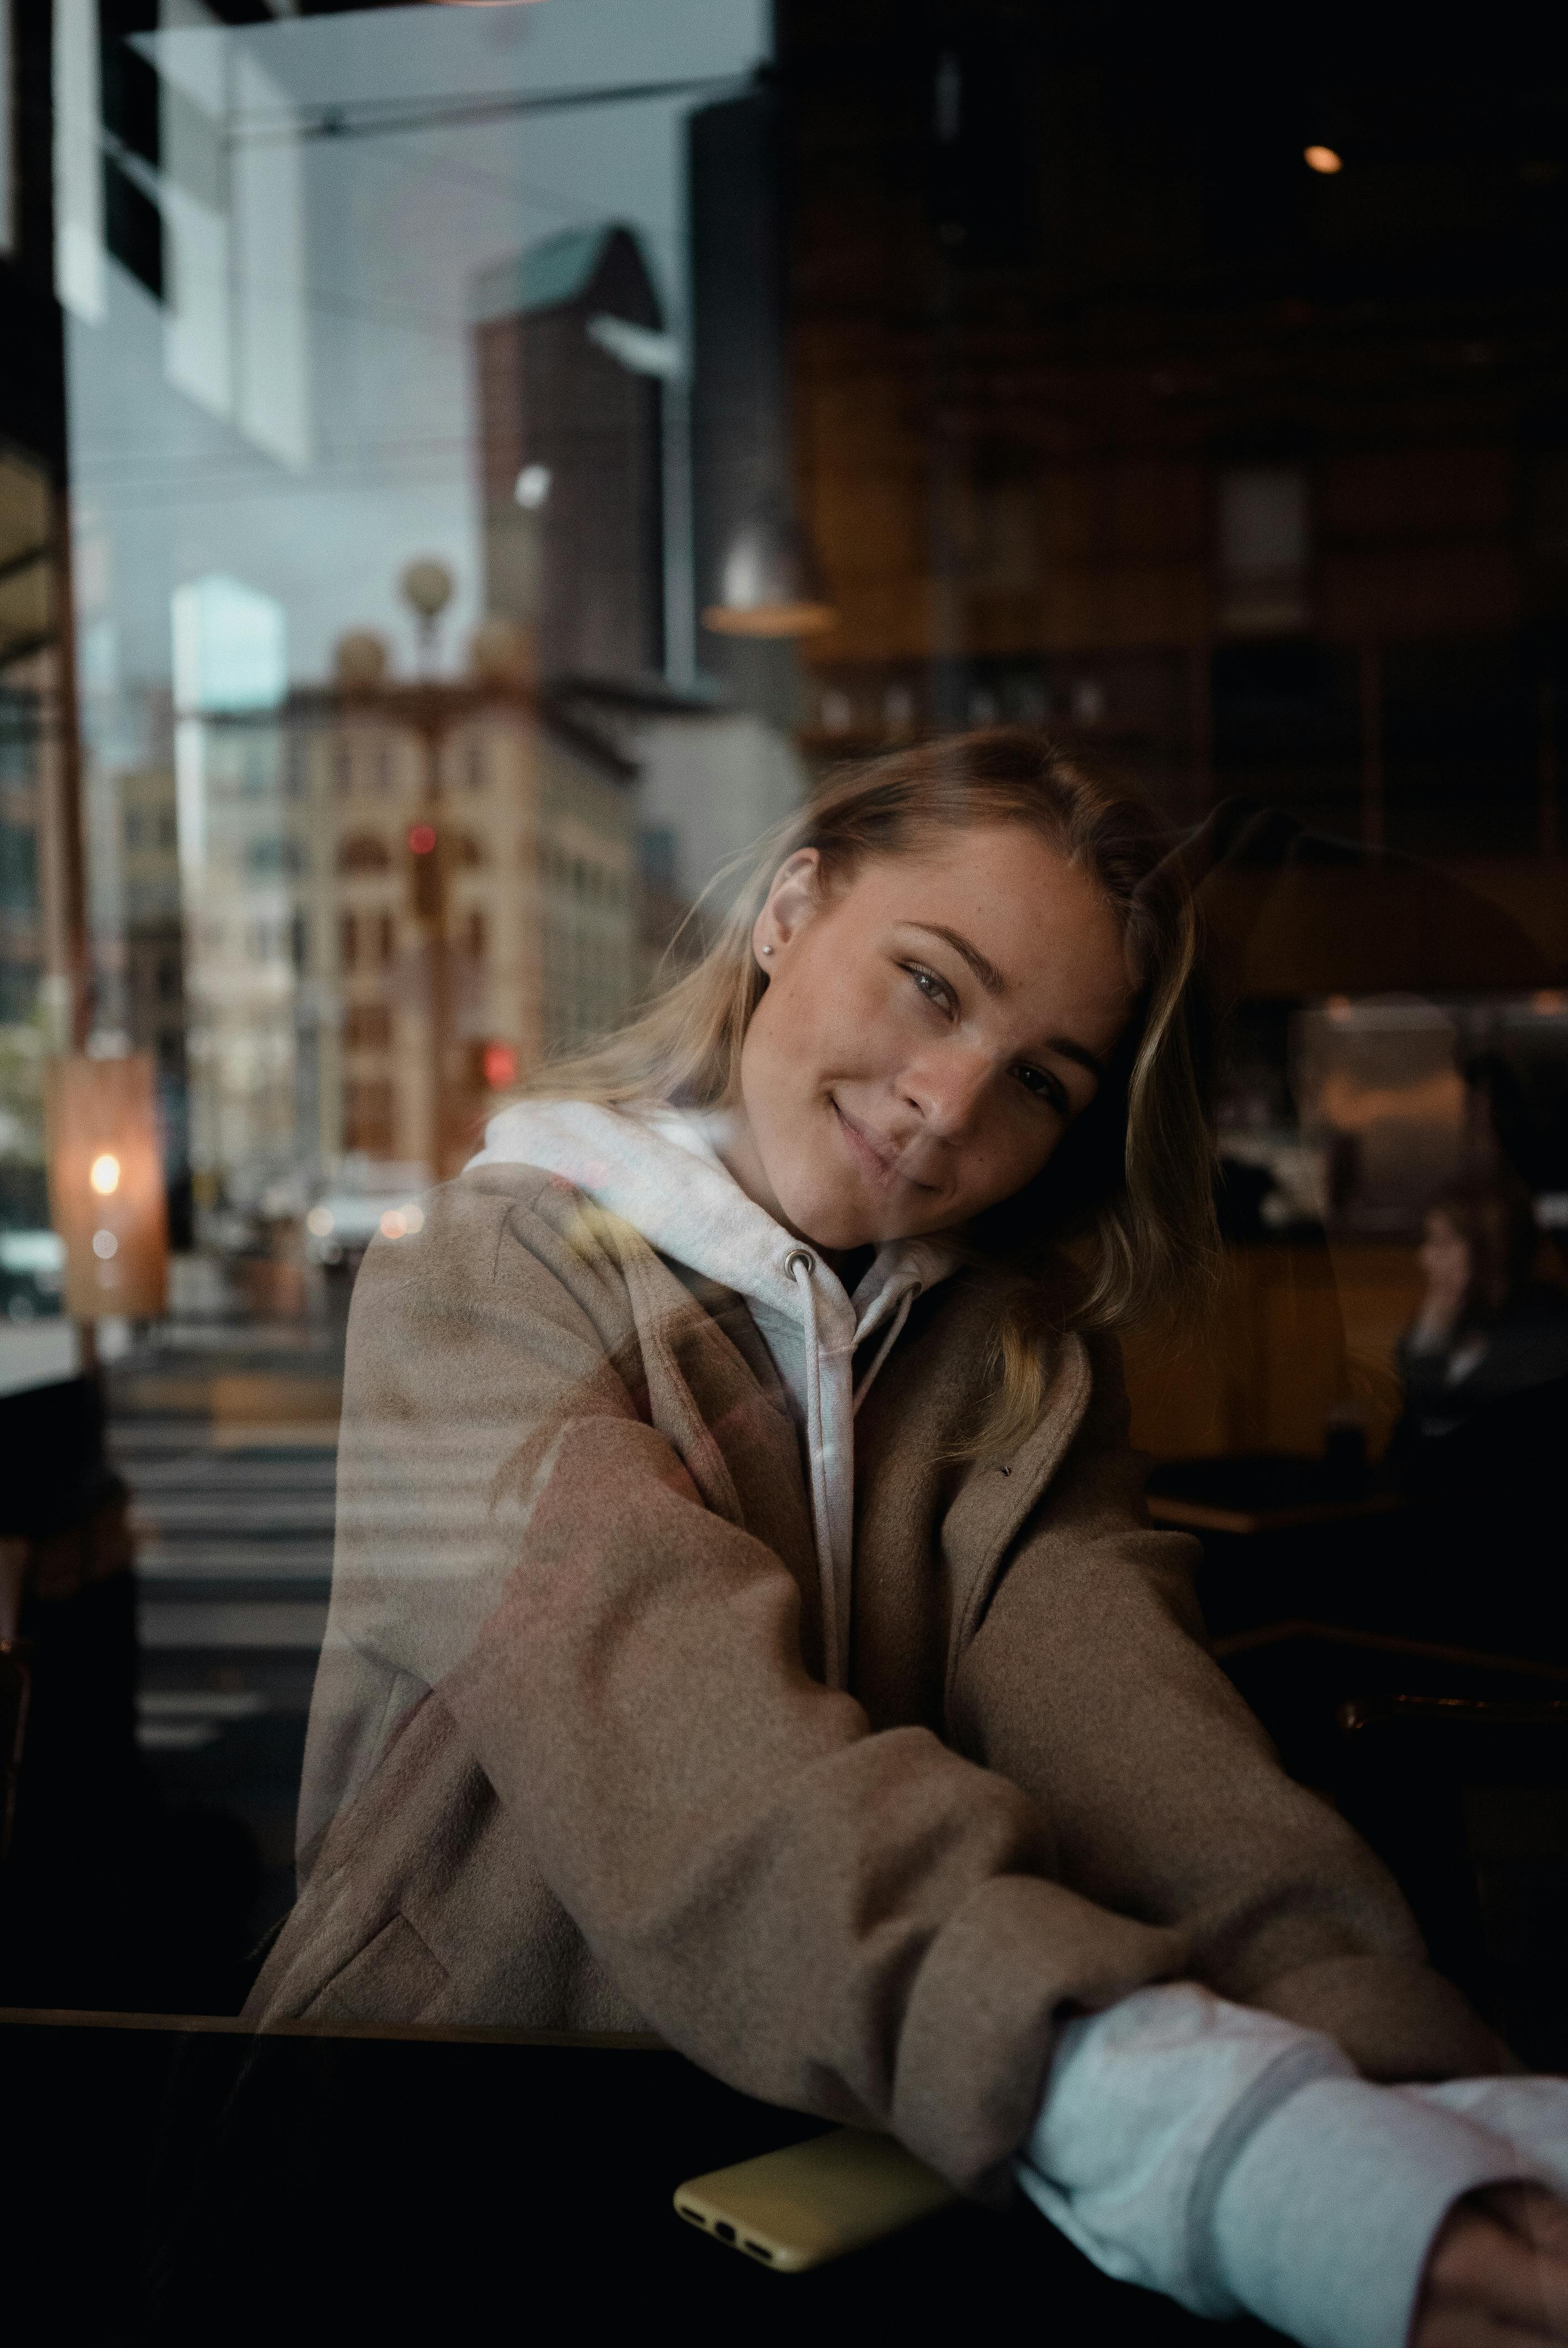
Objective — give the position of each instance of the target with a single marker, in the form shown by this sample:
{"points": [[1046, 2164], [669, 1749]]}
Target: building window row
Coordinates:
{"points": [[150, 828], [369, 1119], [375, 767], [594, 882], [366, 941], [363, 851], [367, 1026]]}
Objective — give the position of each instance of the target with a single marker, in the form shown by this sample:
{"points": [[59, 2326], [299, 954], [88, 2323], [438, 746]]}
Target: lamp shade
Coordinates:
{"points": [[771, 584], [105, 1186]]}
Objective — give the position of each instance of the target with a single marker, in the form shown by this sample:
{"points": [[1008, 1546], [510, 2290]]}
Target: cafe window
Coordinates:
{"points": [[470, 475]]}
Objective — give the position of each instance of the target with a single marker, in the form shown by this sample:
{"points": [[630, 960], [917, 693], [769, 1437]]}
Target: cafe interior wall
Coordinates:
{"points": [[1250, 479]]}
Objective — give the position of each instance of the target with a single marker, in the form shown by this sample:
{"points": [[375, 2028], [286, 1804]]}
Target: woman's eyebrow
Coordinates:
{"points": [[1066, 1049], [988, 973]]}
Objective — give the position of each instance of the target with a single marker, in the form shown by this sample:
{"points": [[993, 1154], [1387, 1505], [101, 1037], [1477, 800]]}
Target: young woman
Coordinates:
{"points": [[745, 1624]]}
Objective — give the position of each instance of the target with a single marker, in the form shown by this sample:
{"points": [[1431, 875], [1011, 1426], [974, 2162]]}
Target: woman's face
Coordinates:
{"points": [[1444, 1259], [929, 1033]]}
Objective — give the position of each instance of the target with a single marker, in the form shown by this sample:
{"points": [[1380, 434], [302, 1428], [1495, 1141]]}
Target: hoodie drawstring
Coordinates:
{"points": [[799, 1264], [894, 1330]]}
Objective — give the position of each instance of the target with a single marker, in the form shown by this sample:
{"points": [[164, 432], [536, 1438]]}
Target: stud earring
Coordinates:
{"points": [[767, 950]]}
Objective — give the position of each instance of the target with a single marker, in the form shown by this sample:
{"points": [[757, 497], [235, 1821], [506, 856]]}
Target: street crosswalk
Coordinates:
{"points": [[233, 1565]]}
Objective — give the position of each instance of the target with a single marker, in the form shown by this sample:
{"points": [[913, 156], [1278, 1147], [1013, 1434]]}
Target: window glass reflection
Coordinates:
{"points": [[512, 520]]}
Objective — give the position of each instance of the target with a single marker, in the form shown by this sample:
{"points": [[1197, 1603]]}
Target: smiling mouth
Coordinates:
{"points": [[880, 1163]]}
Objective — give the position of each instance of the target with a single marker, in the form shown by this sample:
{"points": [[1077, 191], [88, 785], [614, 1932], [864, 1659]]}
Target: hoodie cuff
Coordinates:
{"points": [[1324, 2223], [1530, 2114]]}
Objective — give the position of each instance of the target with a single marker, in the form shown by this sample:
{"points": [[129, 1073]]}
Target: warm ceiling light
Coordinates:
{"points": [[1322, 158], [104, 1174]]}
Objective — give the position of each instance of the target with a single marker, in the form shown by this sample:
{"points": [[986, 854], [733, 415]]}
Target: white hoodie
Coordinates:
{"points": [[1199, 2147], [663, 1174]]}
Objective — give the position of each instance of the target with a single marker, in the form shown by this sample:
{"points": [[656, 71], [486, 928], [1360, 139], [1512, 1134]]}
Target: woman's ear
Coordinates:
{"points": [[792, 899]]}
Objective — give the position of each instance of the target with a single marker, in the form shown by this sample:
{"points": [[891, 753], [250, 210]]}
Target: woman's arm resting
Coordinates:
{"points": [[1235, 2162], [849, 1923], [1087, 1683]]}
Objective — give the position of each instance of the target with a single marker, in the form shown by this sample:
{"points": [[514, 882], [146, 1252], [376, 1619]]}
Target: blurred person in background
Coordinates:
{"points": [[1488, 1327], [1479, 1447]]}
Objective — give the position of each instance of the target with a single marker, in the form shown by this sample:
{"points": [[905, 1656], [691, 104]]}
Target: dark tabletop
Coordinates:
{"points": [[167, 2185]]}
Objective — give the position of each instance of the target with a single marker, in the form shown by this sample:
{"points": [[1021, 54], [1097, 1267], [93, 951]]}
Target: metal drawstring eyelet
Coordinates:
{"points": [[802, 1256]]}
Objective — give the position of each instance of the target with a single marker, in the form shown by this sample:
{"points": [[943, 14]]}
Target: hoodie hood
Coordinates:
{"points": [[660, 1171]]}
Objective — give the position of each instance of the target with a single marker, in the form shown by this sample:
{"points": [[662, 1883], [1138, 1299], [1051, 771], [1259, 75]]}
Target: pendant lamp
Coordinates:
{"points": [[771, 583]]}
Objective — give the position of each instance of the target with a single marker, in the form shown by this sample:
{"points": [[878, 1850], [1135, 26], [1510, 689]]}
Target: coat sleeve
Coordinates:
{"points": [[850, 1923], [1088, 1684]]}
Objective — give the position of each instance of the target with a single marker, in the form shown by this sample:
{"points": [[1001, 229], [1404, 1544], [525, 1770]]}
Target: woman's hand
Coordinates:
{"points": [[1497, 2274]]}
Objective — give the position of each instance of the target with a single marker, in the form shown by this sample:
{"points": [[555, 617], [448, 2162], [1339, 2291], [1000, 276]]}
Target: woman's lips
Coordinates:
{"points": [[873, 1156]]}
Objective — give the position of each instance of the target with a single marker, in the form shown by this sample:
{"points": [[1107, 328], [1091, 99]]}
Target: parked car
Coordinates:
{"points": [[32, 1274], [342, 1224]]}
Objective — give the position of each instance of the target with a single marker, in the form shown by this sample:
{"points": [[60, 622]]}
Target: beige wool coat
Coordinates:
{"points": [[572, 1764]]}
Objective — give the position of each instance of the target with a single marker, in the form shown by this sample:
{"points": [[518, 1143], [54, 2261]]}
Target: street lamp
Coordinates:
{"points": [[426, 587]]}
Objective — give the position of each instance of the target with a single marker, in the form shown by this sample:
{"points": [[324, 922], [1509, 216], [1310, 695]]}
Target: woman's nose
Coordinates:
{"points": [[947, 1088]]}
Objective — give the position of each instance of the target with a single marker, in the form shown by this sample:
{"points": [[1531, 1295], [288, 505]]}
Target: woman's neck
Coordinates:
{"points": [[742, 1160]]}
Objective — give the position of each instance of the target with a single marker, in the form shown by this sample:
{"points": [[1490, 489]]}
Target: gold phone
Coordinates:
{"points": [[812, 2201]]}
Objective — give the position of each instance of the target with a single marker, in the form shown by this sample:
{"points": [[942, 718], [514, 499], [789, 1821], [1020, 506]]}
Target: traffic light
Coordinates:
{"points": [[425, 861], [492, 1067]]}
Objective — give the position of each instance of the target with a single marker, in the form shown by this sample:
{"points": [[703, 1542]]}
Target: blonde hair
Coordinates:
{"points": [[1131, 1185]]}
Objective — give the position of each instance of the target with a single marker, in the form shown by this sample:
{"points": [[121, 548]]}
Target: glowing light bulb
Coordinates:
{"points": [[1322, 158], [104, 1174]]}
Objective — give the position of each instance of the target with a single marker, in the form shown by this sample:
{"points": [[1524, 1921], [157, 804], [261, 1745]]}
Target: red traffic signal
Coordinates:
{"points": [[492, 1067], [424, 847]]}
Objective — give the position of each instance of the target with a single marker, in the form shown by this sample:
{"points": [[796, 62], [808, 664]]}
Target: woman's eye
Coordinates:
{"points": [[1045, 1087], [936, 989]]}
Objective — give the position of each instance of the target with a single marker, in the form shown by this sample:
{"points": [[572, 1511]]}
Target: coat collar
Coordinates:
{"points": [[990, 1512]]}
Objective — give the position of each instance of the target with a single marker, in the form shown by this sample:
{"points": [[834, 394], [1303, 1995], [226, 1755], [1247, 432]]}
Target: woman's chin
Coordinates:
{"points": [[839, 1226]]}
